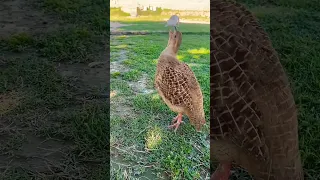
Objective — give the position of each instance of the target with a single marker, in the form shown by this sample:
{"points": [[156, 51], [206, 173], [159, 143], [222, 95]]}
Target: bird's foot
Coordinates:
{"points": [[180, 115], [222, 172], [178, 121]]}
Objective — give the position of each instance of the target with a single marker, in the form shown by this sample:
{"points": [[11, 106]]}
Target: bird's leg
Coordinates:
{"points": [[175, 28], [178, 121], [176, 118], [222, 172]]}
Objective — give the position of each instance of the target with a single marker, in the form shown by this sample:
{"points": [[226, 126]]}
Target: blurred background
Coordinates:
{"points": [[142, 147]]}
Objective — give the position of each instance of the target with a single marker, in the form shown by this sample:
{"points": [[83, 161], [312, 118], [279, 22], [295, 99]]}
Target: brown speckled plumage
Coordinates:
{"points": [[177, 84], [253, 113]]}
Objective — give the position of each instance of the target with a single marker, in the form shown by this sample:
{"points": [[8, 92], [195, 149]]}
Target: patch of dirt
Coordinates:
{"points": [[37, 154], [88, 78], [117, 66], [22, 149], [114, 26], [91, 77], [19, 16], [140, 87], [120, 108], [8, 102]]}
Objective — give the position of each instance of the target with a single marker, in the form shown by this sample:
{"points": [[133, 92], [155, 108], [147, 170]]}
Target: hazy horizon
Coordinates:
{"points": [[169, 4]]}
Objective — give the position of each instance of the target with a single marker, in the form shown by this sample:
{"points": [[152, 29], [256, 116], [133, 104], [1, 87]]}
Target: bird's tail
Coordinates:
{"points": [[198, 120]]}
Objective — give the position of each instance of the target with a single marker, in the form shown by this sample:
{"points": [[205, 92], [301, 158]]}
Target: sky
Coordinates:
{"points": [[170, 4]]}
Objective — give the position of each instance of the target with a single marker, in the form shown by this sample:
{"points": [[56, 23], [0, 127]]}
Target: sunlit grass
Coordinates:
{"points": [[115, 74], [180, 57], [153, 139], [121, 37], [155, 97], [122, 46], [199, 51]]}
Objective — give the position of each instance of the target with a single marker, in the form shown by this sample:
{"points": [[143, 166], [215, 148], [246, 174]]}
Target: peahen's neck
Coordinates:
{"points": [[170, 50]]}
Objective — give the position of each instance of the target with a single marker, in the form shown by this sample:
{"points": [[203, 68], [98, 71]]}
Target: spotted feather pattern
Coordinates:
{"points": [[175, 87], [251, 104]]}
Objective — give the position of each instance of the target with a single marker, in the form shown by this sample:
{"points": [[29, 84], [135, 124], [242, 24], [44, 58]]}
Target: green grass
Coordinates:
{"points": [[146, 26], [93, 15], [18, 42], [312, 5], [26, 74], [143, 136], [42, 104], [76, 45], [293, 27], [154, 23], [118, 12]]}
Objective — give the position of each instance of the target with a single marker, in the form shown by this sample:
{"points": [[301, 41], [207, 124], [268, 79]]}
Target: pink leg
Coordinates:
{"points": [[178, 121], [222, 172]]}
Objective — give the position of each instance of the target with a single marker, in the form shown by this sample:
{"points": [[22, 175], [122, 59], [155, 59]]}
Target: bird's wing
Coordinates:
{"points": [[175, 87], [194, 86], [192, 80], [236, 79]]}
